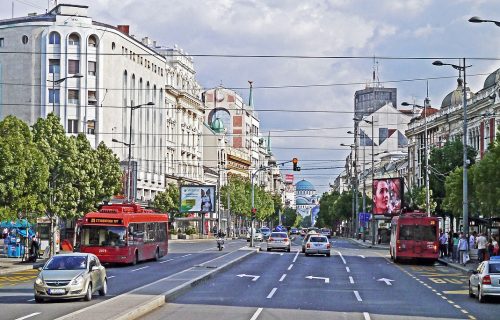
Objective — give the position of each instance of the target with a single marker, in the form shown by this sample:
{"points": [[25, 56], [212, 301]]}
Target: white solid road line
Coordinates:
{"points": [[351, 280], [256, 314], [282, 277], [341, 257], [270, 295], [366, 315], [28, 316], [357, 295], [290, 267], [139, 269], [296, 255], [166, 260]]}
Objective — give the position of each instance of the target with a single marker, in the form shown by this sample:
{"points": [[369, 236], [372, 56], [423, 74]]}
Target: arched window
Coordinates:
{"points": [[54, 38], [92, 41], [74, 40]]}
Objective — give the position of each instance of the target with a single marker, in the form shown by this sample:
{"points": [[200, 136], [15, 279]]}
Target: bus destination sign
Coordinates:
{"points": [[104, 220]]}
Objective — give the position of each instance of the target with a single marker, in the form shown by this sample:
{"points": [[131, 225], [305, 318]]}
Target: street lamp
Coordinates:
{"points": [[59, 81], [465, 200], [427, 196], [129, 145], [354, 187], [479, 20]]}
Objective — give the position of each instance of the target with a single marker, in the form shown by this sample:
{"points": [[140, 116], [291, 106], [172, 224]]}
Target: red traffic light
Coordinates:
{"points": [[295, 160]]}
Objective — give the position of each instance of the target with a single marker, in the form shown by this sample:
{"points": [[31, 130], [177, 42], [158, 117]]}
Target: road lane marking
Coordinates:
{"points": [[290, 267], [186, 255], [166, 260], [341, 257], [362, 256], [28, 316], [357, 296], [456, 292], [139, 269], [347, 269], [111, 277], [296, 255], [282, 277], [366, 315], [351, 280], [270, 295], [256, 314], [31, 300]]}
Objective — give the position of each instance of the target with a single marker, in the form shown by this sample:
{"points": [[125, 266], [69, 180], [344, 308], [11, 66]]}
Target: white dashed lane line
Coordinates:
{"points": [[166, 260], [347, 269], [358, 297], [282, 277], [271, 294], [139, 269], [351, 280], [290, 267]]}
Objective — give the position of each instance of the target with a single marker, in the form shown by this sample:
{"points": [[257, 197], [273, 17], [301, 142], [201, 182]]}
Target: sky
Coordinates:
{"points": [[323, 51]]}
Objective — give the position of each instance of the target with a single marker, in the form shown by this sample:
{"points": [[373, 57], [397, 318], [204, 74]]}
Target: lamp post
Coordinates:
{"points": [[353, 187], [426, 152], [465, 200], [59, 81]]}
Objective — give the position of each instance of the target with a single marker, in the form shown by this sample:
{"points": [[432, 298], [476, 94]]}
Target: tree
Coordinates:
{"points": [[87, 182], [326, 216], [23, 170], [453, 202], [109, 173], [168, 200]]}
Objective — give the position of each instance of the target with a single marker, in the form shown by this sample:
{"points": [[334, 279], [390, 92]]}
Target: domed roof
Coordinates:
{"points": [[217, 125], [301, 201], [456, 96], [492, 79], [304, 185]]}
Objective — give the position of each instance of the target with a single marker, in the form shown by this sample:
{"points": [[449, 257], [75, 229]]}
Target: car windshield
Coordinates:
{"points": [[494, 268], [278, 235], [318, 239], [102, 236], [67, 263], [265, 230]]}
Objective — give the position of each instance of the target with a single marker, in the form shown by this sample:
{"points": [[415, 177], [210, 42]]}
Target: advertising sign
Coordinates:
{"points": [[196, 198], [388, 196], [289, 178]]}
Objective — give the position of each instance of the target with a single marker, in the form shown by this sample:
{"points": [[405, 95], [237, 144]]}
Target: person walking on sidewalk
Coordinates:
{"points": [[443, 244], [450, 244], [481, 247], [462, 249], [454, 256]]}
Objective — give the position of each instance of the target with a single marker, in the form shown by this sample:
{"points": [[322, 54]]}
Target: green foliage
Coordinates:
{"points": [[291, 218], [109, 173], [453, 202], [190, 231], [168, 201], [23, 170]]}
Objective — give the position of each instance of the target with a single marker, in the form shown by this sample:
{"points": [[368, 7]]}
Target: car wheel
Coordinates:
{"points": [[471, 294], [38, 299], [104, 289], [88, 294], [307, 254], [303, 250], [480, 295], [328, 254], [268, 249], [288, 250]]}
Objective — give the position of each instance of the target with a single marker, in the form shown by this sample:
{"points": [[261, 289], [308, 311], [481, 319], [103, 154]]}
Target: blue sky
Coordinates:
{"points": [[384, 28]]}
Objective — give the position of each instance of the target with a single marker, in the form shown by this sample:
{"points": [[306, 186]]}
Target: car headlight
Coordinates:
{"points": [[77, 280], [39, 281]]}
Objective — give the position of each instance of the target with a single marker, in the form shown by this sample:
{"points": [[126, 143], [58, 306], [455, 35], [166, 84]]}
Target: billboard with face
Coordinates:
{"points": [[388, 196], [197, 198]]}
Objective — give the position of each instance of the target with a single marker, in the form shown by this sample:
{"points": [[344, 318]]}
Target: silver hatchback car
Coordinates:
{"points": [[317, 244], [485, 280], [68, 276], [279, 240]]}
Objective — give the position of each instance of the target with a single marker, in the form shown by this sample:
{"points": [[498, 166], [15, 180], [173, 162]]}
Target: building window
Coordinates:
{"points": [[73, 96], [91, 127], [54, 66], [91, 68], [73, 66], [24, 39], [54, 38], [113, 46], [74, 40], [2, 42], [92, 42], [92, 98], [72, 126], [54, 96]]}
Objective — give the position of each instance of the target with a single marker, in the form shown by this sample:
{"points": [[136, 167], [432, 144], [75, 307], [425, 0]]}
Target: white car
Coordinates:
{"points": [[317, 244], [257, 235], [485, 280], [279, 240]]}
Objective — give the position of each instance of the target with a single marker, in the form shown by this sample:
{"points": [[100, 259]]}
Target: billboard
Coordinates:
{"points": [[196, 198], [388, 196]]}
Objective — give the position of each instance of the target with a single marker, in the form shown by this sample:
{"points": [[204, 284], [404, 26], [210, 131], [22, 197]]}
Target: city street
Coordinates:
{"points": [[355, 283]]}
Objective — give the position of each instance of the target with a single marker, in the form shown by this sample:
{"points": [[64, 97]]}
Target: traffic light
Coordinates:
{"points": [[254, 212], [295, 162]]}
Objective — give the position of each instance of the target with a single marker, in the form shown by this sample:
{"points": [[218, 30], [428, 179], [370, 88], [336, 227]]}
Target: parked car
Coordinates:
{"points": [[326, 232], [485, 280], [266, 232], [257, 235], [279, 240], [306, 238], [67, 276], [317, 244]]}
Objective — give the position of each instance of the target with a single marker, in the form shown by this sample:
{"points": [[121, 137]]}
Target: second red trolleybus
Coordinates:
{"points": [[124, 233], [414, 236]]}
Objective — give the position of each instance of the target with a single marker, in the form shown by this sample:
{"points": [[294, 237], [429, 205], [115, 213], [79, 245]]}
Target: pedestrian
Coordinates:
{"points": [[450, 244], [5, 233], [462, 249], [443, 243], [472, 240], [481, 247], [454, 256], [496, 248]]}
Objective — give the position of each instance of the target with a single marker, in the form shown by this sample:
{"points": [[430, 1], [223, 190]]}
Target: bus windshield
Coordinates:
{"points": [[417, 232], [101, 236]]}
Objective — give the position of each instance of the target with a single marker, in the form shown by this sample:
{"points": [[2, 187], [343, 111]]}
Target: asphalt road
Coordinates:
{"points": [[17, 300], [354, 283]]}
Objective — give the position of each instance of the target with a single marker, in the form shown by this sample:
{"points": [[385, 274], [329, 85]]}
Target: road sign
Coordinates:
{"points": [[364, 218]]}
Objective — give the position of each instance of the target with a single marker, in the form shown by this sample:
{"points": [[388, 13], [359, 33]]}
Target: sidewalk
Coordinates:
{"points": [[11, 265], [471, 265]]}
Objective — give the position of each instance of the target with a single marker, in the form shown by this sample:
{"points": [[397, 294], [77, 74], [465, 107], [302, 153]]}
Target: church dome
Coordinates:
{"points": [[492, 79], [301, 202], [456, 96], [304, 185], [217, 126]]}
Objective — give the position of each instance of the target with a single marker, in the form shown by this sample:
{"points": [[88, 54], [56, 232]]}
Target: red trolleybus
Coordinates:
{"points": [[124, 233], [414, 235]]}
